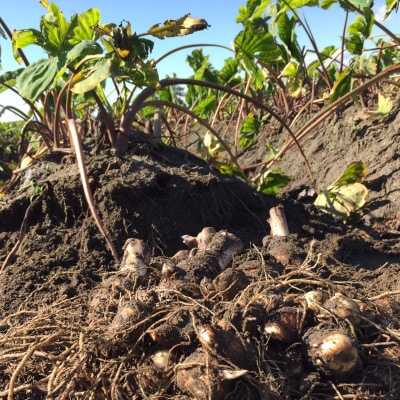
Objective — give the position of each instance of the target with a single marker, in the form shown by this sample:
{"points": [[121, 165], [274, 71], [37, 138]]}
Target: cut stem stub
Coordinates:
{"points": [[277, 221]]}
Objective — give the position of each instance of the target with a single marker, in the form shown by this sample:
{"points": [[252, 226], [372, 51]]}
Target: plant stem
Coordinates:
{"points": [[9, 33], [377, 23], [130, 114], [277, 222], [200, 120], [331, 108], [76, 141], [188, 47]]}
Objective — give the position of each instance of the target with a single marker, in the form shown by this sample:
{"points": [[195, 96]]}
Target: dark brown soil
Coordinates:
{"points": [[74, 326]]}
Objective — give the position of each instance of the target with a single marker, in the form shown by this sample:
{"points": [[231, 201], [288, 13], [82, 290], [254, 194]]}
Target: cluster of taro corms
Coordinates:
{"points": [[196, 325]]}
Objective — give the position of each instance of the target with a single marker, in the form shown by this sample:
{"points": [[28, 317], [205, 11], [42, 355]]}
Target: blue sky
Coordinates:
{"points": [[220, 14]]}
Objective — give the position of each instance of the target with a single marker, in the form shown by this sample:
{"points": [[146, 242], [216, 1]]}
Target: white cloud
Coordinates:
{"points": [[379, 11]]}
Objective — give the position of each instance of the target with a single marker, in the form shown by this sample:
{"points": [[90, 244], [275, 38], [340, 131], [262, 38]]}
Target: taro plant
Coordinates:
{"points": [[77, 68], [268, 77], [269, 51], [73, 77]]}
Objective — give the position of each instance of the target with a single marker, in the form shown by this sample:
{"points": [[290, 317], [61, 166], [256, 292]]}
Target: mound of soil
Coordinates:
{"points": [[231, 313]]}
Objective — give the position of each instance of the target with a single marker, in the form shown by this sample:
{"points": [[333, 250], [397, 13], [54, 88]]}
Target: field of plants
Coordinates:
{"points": [[229, 235]]}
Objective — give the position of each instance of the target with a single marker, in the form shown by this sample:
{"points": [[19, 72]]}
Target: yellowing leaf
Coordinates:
{"points": [[385, 105], [212, 144], [347, 194], [89, 78], [178, 27], [225, 166], [295, 87], [290, 69], [191, 25], [355, 172], [342, 85], [342, 201]]}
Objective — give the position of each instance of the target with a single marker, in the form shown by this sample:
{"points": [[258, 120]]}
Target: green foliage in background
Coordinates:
{"points": [[270, 75]]}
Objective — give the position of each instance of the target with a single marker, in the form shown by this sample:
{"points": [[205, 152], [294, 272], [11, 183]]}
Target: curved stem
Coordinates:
{"points": [[331, 108], [343, 43], [9, 33], [189, 46], [76, 140], [14, 110], [199, 119], [30, 104], [129, 116], [375, 22]]}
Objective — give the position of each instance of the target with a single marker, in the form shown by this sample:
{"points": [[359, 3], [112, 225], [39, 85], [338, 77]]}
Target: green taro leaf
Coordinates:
{"points": [[202, 67], [89, 78], [228, 73], [293, 4], [253, 10], [342, 85], [85, 21], [359, 31], [23, 38], [357, 27], [82, 49], [361, 4], [369, 21], [206, 106], [37, 78], [250, 44], [354, 44], [55, 27], [272, 181], [196, 59], [9, 78], [287, 33], [26, 37], [327, 4], [248, 131], [145, 75], [362, 25], [390, 6], [326, 54]]}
